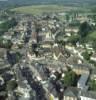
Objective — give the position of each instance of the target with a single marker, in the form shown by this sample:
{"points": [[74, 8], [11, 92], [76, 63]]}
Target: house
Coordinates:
{"points": [[70, 48], [82, 18], [23, 90], [1, 81], [93, 57], [56, 52], [45, 36], [81, 68], [71, 93], [71, 30], [11, 95], [4, 66], [51, 90], [82, 82], [47, 44], [7, 36], [74, 59], [2, 53], [88, 95], [59, 53]]}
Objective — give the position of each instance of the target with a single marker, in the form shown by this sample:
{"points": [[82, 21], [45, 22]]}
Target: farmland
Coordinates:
{"points": [[39, 9]]}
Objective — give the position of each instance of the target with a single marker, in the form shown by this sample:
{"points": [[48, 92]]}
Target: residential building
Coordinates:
{"points": [[81, 68], [88, 95], [82, 82], [71, 93]]}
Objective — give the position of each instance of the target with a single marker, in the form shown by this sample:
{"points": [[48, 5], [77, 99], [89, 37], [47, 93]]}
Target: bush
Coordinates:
{"points": [[84, 29], [70, 79], [74, 39], [92, 85], [86, 55]]}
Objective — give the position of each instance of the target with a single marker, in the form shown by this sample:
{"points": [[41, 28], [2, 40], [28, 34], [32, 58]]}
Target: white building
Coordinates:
{"points": [[93, 57]]}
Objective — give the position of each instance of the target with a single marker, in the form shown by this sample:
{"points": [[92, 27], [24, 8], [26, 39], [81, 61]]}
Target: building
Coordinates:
{"points": [[59, 53], [89, 95], [71, 30], [82, 82], [93, 57], [71, 93], [81, 68]]}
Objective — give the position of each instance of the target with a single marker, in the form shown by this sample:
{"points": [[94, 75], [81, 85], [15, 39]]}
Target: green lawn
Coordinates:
{"points": [[92, 36], [38, 9]]}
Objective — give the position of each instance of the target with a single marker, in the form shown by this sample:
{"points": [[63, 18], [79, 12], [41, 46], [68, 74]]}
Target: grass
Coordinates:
{"points": [[39, 9], [92, 36]]}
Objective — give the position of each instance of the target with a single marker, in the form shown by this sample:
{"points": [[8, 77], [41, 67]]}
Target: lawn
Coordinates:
{"points": [[92, 36], [39, 9]]}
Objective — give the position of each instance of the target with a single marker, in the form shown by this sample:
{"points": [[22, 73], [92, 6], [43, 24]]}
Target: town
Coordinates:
{"points": [[51, 56]]}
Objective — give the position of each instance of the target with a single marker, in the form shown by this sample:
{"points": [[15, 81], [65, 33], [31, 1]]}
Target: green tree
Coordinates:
{"points": [[92, 85], [86, 55], [70, 79], [7, 25], [84, 29], [17, 56], [67, 17], [74, 39]]}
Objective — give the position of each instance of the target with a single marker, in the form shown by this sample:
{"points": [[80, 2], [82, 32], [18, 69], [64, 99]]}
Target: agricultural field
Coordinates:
{"points": [[39, 9]]}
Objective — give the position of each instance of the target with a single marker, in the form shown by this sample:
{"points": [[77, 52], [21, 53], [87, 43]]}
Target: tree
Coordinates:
{"points": [[17, 56], [84, 29], [67, 17], [7, 25], [92, 85], [86, 55], [8, 44], [70, 79], [74, 39]]}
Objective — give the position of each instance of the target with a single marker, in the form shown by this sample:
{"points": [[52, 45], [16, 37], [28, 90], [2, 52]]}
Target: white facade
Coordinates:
{"points": [[86, 98], [93, 59]]}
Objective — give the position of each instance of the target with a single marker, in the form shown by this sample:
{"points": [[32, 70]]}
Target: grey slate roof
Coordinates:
{"points": [[71, 92], [89, 94], [83, 79]]}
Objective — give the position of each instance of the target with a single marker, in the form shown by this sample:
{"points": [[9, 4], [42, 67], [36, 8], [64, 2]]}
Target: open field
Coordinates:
{"points": [[38, 9]]}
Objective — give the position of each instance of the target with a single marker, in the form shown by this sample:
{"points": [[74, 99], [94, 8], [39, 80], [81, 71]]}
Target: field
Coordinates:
{"points": [[38, 9], [92, 36]]}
